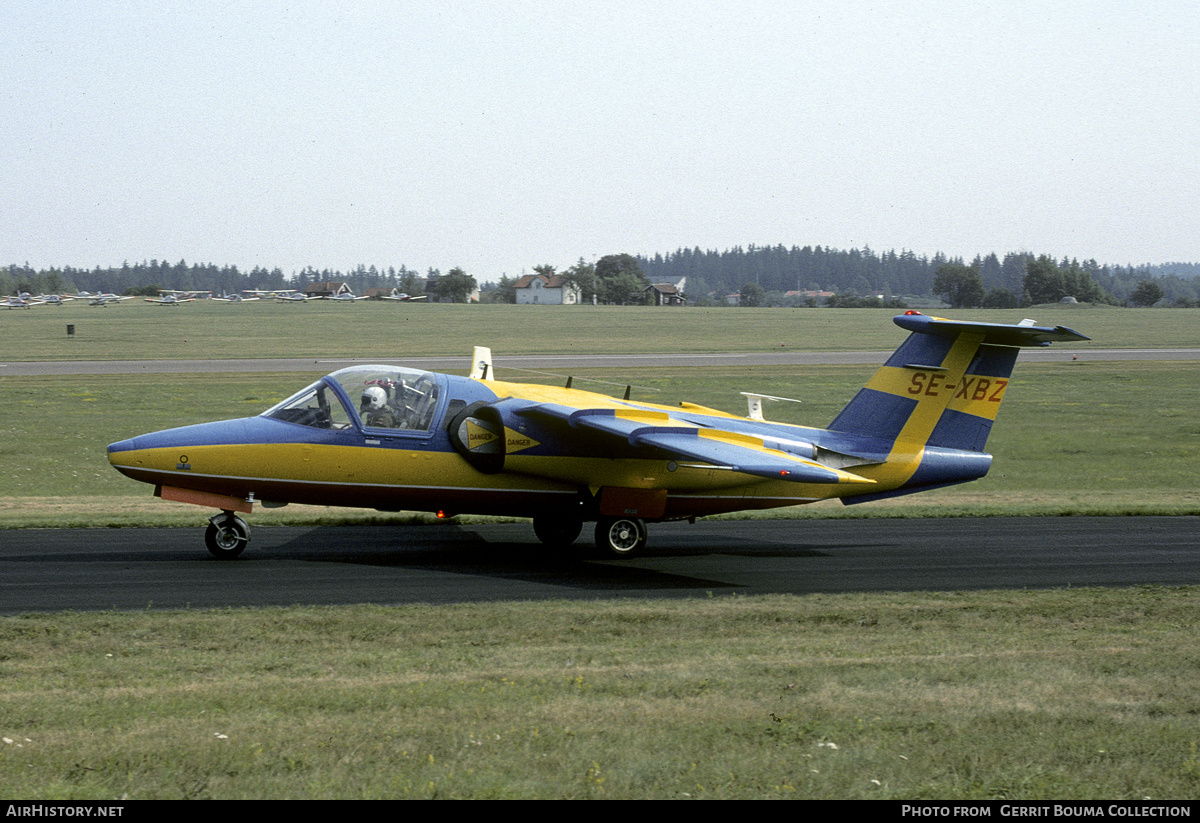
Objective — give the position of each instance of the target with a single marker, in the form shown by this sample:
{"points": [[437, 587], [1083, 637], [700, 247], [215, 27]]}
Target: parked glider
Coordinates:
{"points": [[393, 438], [282, 295], [20, 301], [173, 297], [105, 299], [24, 300]]}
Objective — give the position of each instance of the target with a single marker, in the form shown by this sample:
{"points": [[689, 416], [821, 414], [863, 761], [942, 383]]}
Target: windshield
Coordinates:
{"points": [[383, 397]]}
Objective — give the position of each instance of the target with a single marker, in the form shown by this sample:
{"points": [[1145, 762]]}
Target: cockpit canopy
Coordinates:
{"points": [[375, 397]]}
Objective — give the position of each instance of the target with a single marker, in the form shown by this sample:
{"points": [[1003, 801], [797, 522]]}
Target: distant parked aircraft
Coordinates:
{"points": [[106, 298], [399, 295], [19, 301], [173, 297]]}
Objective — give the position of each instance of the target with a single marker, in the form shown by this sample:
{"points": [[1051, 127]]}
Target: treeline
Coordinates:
{"points": [[182, 276], [778, 270], [768, 273], [136, 278]]}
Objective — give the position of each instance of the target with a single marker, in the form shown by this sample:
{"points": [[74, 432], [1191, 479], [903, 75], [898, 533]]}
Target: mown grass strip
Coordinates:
{"points": [[1069, 694]]}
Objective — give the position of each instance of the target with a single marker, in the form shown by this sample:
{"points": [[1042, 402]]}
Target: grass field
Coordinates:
{"points": [[1062, 695], [209, 329], [1076, 694]]}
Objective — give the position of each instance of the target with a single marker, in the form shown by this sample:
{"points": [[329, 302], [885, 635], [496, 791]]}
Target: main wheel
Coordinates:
{"points": [[620, 536], [226, 537], [557, 531]]}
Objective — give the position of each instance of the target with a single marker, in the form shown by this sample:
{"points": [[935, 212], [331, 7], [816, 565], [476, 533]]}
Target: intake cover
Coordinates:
{"points": [[477, 433]]}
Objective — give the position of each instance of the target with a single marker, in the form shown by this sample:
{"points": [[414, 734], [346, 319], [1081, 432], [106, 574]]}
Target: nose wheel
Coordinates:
{"points": [[620, 536], [226, 536]]}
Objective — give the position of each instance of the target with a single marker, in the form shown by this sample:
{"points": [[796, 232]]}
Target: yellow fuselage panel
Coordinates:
{"points": [[554, 394], [903, 461], [312, 463], [652, 413], [398, 468]]}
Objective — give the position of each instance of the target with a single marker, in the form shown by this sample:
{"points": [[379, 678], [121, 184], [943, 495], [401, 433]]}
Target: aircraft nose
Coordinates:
{"points": [[121, 446], [162, 449], [126, 453]]}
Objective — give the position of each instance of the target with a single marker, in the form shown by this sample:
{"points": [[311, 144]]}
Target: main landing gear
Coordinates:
{"points": [[227, 535], [557, 532], [615, 536], [620, 536]]}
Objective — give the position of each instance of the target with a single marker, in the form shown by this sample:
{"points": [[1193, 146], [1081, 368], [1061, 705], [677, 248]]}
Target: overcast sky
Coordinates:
{"points": [[497, 136]]}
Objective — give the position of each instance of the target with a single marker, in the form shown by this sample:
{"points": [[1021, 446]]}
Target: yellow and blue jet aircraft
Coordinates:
{"points": [[393, 438]]}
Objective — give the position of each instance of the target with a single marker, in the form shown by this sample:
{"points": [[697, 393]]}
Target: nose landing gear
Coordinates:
{"points": [[226, 536]]}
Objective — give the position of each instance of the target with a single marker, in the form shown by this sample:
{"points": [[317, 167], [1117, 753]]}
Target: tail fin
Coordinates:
{"points": [[943, 386]]}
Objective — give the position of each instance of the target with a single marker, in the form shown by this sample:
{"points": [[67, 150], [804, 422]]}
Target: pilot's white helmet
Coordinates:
{"points": [[373, 399]]}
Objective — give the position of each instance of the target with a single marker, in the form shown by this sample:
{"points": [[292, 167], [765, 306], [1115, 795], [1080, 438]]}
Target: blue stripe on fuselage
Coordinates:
{"points": [[939, 467], [234, 432]]}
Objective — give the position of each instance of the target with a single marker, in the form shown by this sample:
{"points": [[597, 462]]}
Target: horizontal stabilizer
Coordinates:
{"points": [[996, 334]]}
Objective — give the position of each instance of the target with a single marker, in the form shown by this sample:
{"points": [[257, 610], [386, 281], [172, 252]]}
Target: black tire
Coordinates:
{"points": [[557, 532], [227, 538], [620, 536]]}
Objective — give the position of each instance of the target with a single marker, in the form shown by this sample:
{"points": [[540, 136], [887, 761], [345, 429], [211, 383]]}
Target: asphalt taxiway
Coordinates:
{"points": [[97, 569], [556, 362]]}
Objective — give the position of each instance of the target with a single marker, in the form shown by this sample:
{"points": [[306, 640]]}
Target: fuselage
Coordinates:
{"points": [[462, 445]]}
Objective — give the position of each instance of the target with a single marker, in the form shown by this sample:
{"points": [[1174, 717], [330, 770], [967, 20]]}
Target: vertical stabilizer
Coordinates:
{"points": [[944, 385]]}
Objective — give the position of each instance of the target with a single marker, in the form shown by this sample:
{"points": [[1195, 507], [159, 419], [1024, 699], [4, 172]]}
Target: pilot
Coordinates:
{"points": [[374, 408]]}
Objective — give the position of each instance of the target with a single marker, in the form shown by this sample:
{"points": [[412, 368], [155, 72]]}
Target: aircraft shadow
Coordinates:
{"points": [[463, 550]]}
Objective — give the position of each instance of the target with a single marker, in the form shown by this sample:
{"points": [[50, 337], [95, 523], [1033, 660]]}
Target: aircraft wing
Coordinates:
{"points": [[662, 436]]}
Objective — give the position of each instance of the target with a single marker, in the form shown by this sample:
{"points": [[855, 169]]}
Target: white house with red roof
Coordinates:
{"points": [[546, 290]]}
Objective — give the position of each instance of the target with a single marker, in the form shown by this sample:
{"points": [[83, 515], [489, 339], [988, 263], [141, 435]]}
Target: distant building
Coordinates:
{"points": [[546, 290], [664, 294], [819, 298]]}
